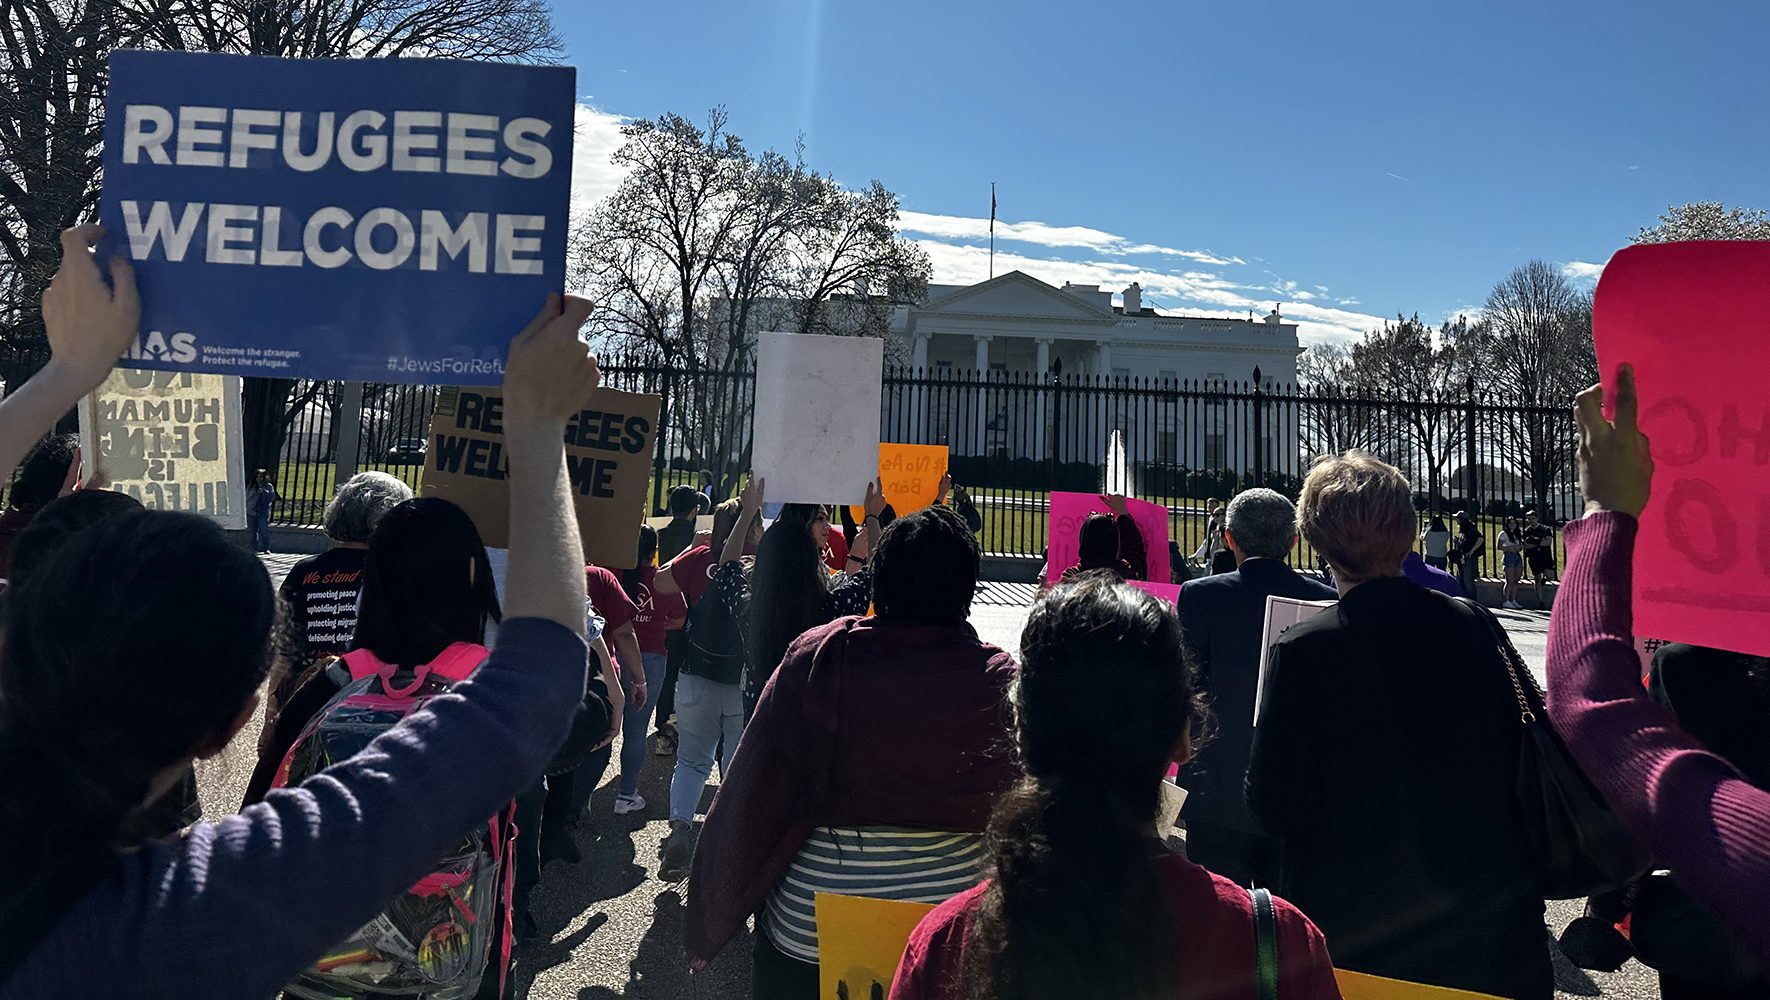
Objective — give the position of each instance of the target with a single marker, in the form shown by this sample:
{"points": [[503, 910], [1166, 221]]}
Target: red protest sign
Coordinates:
{"points": [[1688, 316]]}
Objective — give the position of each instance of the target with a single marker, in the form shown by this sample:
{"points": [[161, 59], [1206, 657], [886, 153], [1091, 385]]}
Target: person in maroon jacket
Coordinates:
{"points": [[869, 768]]}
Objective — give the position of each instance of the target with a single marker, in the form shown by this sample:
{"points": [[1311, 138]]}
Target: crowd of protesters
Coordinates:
{"points": [[1365, 767]]}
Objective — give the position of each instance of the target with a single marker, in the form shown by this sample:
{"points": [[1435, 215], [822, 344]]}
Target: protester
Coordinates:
{"points": [[1468, 552], [258, 501], [832, 546], [770, 603], [1223, 620], [1420, 574], [1539, 555], [1110, 542], [1436, 539], [653, 614], [51, 470], [825, 794], [686, 505], [1698, 814], [320, 592], [1511, 545], [1213, 540], [708, 488], [1223, 562], [966, 507], [172, 676], [710, 703], [1385, 761], [1084, 901]]}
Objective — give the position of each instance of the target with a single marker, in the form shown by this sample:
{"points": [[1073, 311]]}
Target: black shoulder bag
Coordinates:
{"points": [[1265, 944], [1580, 845]]}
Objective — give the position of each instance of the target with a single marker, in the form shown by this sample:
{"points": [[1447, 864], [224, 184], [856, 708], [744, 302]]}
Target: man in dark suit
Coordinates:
{"points": [[1222, 618]]}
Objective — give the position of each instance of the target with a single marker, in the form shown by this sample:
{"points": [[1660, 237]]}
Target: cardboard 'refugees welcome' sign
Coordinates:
{"points": [[608, 454]]}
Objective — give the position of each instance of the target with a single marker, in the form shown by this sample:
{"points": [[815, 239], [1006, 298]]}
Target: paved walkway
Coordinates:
{"points": [[615, 929]]}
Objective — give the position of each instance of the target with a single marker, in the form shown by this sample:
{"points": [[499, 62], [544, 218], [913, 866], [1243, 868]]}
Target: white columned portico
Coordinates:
{"points": [[1042, 377], [918, 398], [982, 430], [1103, 357]]}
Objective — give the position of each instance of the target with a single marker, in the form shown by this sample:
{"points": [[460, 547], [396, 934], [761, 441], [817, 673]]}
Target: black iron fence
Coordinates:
{"points": [[1013, 438]]}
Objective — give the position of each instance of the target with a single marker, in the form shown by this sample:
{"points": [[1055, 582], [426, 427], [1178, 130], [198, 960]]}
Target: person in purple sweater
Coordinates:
{"points": [[141, 644], [1698, 814]]}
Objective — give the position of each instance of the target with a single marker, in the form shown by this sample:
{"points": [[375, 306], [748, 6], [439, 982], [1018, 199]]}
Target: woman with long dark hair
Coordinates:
{"points": [[772, 601], [139, 645], [1084, 901]]}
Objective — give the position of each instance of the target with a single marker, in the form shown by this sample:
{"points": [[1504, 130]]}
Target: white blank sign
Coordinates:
{"points": [[817, 416]]}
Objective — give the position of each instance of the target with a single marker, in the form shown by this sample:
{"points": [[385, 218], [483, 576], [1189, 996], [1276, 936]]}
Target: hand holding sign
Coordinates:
{"points": [[551, 371], [88, 323], [750, 500], [875, 501], [1615, 462]]}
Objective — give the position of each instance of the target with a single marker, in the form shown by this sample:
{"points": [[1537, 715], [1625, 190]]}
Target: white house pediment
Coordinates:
{"points": [[1015, 294]]}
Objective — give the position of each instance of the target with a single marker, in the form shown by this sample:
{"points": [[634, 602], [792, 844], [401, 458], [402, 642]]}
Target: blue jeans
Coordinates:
{"points": [[705, 711], [260, 533], [634, 721]]}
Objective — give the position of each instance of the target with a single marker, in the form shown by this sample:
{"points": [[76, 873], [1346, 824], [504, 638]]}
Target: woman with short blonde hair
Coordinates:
{"points": [[1385, 760], [1358, 512]]}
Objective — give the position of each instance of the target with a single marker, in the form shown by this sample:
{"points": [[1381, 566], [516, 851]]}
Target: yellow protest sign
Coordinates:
{"points": [[1360, 986], [910, 475], [859, 941]]}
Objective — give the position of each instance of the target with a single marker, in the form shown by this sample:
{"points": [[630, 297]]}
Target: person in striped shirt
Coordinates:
{"points": [[870, 767]]}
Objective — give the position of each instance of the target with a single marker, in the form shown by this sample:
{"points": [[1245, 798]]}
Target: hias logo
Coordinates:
{"points": [[180, 348]]}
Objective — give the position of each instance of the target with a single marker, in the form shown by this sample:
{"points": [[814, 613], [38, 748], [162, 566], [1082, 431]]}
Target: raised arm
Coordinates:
{"points": [[751, 506], [550, 374], [89, 325], [1694, 810]]}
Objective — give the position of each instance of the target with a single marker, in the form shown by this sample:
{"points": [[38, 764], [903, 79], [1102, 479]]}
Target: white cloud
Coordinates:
{"points": [[1190, 293], [596, 134], [1581, 270], [960, 227]]}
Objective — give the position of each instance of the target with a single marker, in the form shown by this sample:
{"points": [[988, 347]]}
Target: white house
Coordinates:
{"points": [[995, 337]]}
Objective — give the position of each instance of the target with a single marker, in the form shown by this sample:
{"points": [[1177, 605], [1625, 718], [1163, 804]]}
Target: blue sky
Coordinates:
{"points": [[1347, 160]]}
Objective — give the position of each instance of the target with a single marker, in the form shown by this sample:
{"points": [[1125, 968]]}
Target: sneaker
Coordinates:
{"points": [[625, 804], [666, 743], [678, 850], [1514, 606]]}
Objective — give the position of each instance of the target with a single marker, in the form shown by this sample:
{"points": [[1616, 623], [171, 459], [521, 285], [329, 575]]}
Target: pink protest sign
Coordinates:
{"points": [[1068, 510], [1689, 317], [1169, 592]]}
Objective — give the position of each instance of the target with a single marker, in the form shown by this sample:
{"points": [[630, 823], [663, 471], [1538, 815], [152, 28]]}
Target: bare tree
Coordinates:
{"points": [[1707, 220], [1335, 413], [1534, 349], [704, 246], [1418, 371], [52, 84]]}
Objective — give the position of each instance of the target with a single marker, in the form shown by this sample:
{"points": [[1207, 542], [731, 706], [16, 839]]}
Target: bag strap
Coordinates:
{"points": [[1515, 669], [1265, 943]]}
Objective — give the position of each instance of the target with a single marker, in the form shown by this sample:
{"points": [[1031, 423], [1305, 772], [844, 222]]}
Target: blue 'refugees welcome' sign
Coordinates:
{"points": [[383, 220]]}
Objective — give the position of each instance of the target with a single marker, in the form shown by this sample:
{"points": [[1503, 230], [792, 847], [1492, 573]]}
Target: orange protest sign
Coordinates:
{"points": [[910, 474], [859, 942], [1359, 986]]}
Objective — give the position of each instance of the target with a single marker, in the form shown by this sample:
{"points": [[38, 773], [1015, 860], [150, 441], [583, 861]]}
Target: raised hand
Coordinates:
{"points": [[89, 324], [1615, 460], [875, 501], [551, 372], [1115, 503], [750, 500]]}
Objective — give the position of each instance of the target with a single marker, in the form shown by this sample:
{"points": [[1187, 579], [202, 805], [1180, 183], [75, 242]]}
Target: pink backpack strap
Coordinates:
{"points": [[452, 664]]}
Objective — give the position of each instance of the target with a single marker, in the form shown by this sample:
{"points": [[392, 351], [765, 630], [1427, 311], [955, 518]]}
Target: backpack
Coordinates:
{"points": [[436, 937], [713, 647]]}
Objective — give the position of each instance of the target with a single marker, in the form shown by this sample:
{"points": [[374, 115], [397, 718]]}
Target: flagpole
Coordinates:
{"points": [[992, 229]]}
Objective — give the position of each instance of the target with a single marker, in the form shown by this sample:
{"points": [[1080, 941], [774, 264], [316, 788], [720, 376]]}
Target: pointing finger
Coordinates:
{"points": [[1627, 402]]}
